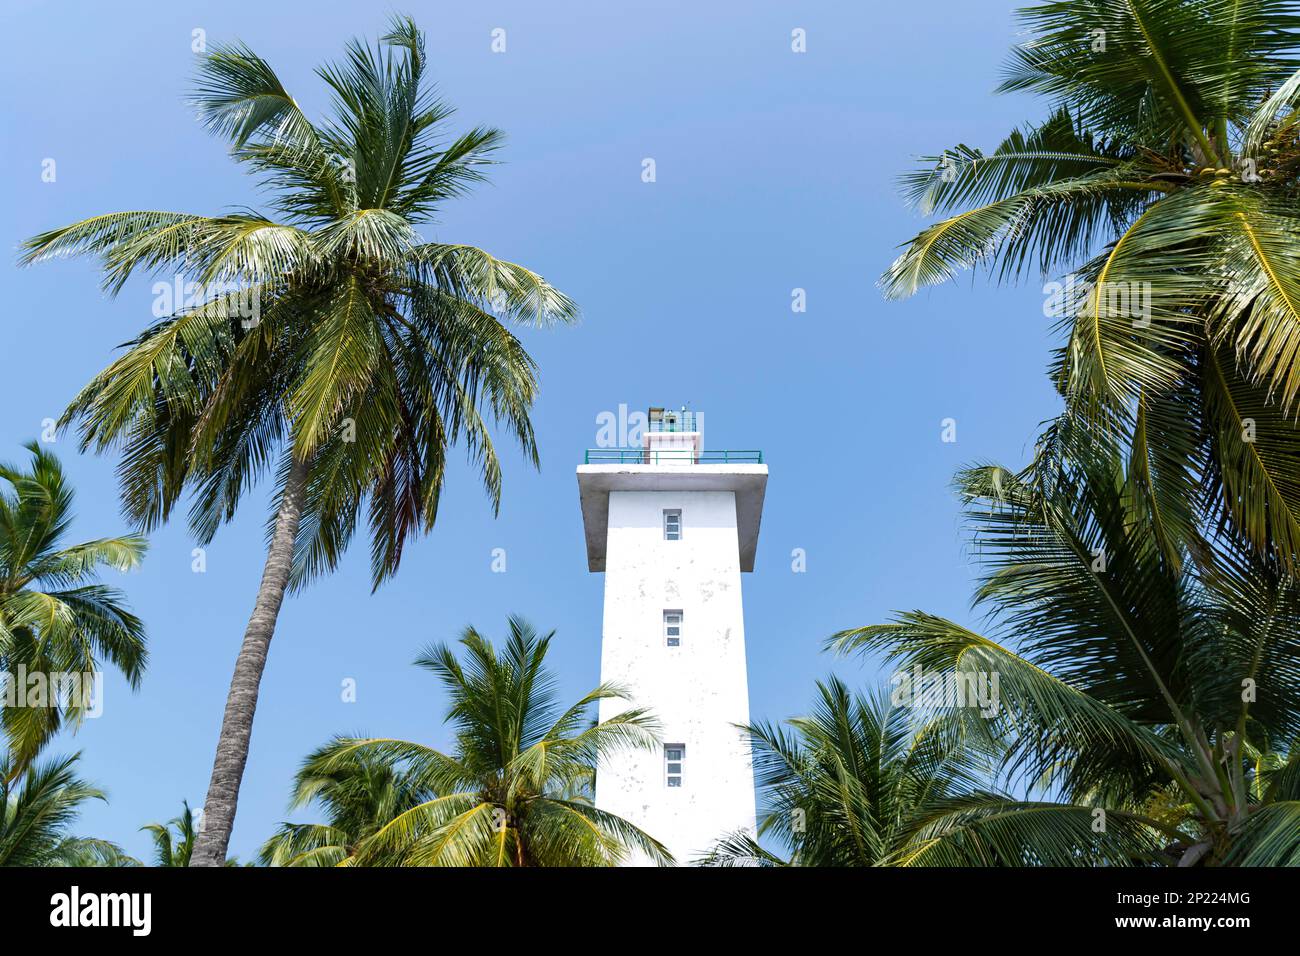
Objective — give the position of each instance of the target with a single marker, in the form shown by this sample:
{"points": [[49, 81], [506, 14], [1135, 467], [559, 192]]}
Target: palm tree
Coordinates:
{"points": [[857, 782], [1154, 698], [878, 781], [35, 818], [174, 840], [360, 792], [169, 849], [56, 622], [1164, 183], [331, 343], [82, 852], [515, 790]]}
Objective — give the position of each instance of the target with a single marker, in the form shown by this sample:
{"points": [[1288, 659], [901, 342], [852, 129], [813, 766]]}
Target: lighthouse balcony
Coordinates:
{"points": [[671, 456], [742, 473], [660, 420]]}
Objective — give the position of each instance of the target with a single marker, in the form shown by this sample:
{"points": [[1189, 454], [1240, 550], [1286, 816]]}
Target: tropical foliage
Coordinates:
{"points": [[332, 346], [173, 841], [856, 782], [873, 781], [1164, 182], [360, 792], [514, 791], [37, 810], [1141, 577], [55, 618], [1153, 700]]}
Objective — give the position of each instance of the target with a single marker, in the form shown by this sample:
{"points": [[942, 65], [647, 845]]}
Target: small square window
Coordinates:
{"points": [[674, 757], [673, 525], [673, 628]]}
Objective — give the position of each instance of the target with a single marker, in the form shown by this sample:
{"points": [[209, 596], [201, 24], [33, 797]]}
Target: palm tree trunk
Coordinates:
{"points": [[241, 703]]}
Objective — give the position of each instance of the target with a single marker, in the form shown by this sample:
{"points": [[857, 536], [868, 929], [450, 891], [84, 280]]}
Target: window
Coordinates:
{"points": [[673, 628], [674, 756], [673, 524]]}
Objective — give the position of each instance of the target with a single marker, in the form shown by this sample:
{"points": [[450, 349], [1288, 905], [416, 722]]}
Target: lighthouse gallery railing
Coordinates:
{"points": [[670, 456]]}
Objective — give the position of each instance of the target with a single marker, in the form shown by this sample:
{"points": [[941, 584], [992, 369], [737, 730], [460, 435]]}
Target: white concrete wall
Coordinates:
{"points": [[679, 448], [698, 690]]}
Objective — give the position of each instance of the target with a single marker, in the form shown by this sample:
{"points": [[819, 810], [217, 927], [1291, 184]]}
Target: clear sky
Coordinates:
{"points": [[775, 171]]}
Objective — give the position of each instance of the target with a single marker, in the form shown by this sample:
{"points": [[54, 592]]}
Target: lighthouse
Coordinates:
{"points": [[673, 526]]}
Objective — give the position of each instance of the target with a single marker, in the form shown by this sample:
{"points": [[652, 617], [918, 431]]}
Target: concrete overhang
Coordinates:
{"points": [[595, 482]]}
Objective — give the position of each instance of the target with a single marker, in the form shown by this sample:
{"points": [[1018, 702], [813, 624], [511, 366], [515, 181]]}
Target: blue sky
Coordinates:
{"points": [[775, 171]]}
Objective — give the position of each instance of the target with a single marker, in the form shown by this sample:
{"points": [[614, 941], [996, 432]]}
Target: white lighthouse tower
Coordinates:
{"points": [[673, 526]]}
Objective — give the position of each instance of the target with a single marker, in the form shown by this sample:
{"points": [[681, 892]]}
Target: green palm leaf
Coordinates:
{"points": [[514, 790], [330, 345]]}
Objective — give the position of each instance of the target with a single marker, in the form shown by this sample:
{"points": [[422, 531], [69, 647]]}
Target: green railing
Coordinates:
{"points": [[674, 422], [684, 456]]}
